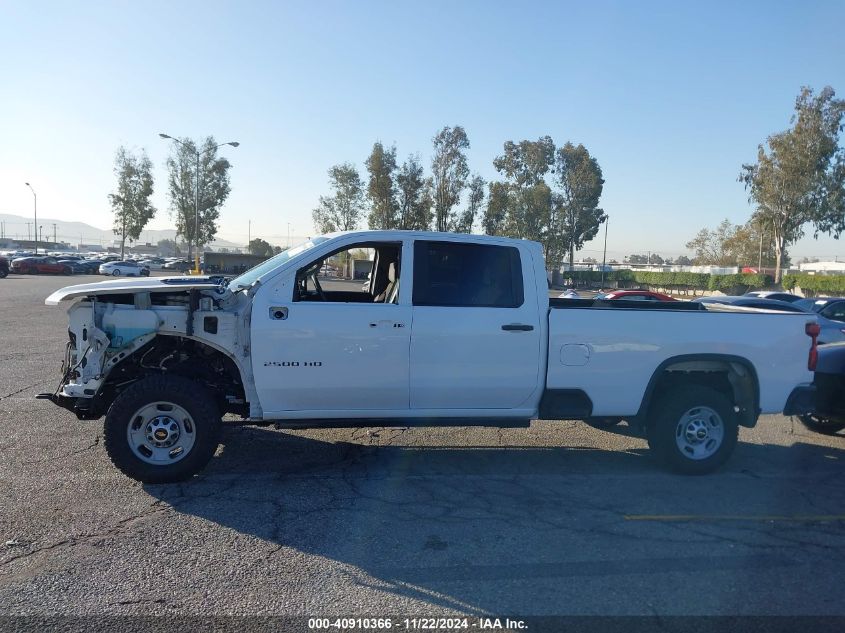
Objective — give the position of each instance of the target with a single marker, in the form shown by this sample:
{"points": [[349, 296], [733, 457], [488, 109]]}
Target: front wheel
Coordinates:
{"points": [[693, 430], [816, 423], [162, 429], [115, 273]]}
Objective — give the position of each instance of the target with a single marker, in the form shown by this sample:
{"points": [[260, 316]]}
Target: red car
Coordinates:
{"points": [[40, 265], [637, 295]]}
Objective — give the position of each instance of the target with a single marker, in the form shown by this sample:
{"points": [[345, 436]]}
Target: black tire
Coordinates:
{"points": [[115, 272], [603, 423], [822, 425], [666, 416], [195, 399], [3, 273], [67, 271]]}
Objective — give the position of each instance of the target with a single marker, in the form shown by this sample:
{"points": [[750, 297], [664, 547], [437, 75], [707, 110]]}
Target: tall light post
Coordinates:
{"points": [[199, 154], [35, 210], [604, 254]]}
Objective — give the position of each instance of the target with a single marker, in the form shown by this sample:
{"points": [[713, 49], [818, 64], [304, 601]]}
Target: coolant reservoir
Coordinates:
{"points": [[124, 325]]}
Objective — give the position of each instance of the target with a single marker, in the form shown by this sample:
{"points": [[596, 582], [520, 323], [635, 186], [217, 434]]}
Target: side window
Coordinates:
{"points": [[363, 273], [467, 275], [836, 312]]}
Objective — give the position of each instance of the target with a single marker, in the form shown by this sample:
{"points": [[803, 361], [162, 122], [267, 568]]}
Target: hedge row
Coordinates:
{"points": [[812, 285], [737, 283]]}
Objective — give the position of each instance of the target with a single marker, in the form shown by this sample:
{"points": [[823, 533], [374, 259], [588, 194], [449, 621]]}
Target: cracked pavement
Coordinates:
{"points": [[559, 518]]}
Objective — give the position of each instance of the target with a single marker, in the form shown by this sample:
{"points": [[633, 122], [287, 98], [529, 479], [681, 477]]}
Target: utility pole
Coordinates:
{"points": [[55, 241], [604, 254], [35, 210]]}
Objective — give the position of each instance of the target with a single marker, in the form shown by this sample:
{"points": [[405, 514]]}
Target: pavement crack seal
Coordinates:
{"points": [[92, 445], [22, 389], [87, 538]]}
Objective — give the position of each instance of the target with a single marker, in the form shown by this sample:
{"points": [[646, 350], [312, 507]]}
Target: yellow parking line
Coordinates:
{"points": [[735, 517]]}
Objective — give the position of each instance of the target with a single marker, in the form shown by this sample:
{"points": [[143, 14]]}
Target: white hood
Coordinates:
{"points": [[120, 286]]}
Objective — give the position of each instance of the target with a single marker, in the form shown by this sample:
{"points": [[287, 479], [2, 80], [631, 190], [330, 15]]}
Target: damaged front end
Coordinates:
{"points": [[116, 338]]}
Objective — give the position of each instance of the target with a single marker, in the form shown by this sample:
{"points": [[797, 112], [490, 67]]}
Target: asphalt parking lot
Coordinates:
{"points": [[560, 518]]}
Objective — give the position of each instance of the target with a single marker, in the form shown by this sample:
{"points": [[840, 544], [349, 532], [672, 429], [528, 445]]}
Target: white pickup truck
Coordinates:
{"points": [[450, 329]]}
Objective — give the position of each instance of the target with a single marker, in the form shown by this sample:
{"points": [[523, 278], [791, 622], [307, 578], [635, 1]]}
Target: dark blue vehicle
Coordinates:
{"points": [[829, 415]]}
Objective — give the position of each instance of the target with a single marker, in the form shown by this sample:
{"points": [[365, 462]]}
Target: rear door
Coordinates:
{"points": [[475, 340]]}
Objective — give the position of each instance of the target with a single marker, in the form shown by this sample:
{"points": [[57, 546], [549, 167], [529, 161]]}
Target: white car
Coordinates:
{"points": [[128, 269], [454, 326], [153, 264]]}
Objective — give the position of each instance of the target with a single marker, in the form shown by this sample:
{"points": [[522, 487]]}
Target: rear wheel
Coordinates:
{"points": [[162, 429], [116, 273], [693, 430], [821, 425]]}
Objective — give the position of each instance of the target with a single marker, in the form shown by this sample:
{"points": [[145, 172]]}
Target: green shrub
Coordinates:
{"points": [[812, 285], [675, 281]]}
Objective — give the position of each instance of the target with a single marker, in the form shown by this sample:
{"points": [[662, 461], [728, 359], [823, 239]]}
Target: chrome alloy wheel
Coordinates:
{"points": [[161, 433], [699, 433]]}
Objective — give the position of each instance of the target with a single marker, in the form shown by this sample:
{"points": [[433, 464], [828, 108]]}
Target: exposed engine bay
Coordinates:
{"points": [[200, 332]]}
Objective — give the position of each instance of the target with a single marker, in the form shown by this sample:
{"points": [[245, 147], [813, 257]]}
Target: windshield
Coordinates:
{"points": [[249, 277]]}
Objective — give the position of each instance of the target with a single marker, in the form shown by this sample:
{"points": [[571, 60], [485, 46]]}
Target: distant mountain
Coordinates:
{"points": [[15, 227]]}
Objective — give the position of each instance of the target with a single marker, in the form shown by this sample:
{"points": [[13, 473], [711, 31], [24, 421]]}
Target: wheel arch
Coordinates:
{"points": [[131, 366], [725, 372]]}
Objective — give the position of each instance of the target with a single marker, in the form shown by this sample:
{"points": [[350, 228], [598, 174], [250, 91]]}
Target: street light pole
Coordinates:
{"points": [[604, 254], [197, 193], [35, 210]]}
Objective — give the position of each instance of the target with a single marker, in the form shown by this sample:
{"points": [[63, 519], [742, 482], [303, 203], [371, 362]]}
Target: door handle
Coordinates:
{"points": [[517, 327], [385, 323]]}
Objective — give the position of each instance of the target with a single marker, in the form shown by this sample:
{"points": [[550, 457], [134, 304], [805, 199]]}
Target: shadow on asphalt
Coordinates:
{"points": [[450, 524]]}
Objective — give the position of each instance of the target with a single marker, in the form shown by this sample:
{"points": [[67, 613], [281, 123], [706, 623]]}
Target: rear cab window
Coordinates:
{"points": [[454, 274]]}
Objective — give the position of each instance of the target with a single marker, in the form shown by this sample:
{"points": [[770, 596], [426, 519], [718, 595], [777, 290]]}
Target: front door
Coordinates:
{"points": [[339, 347]]}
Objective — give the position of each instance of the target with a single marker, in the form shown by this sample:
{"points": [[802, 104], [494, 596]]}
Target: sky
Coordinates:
{"points": [[670, 97]]}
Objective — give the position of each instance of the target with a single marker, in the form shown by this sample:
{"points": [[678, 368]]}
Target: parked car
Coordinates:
{"points": [[464, 329], [39, 265], [829, 382], [181, 265], [832, 308], [129, 269], [830, 331], [77, 266], [743, 301], [637, 295], [4, 267], [774, 294], [153, 263], [93, 265]]}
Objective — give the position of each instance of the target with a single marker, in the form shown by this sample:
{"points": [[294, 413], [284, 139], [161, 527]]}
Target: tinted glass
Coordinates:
{"points": [[469, 275], [834, 311]]}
